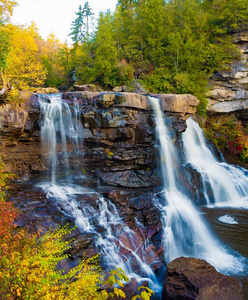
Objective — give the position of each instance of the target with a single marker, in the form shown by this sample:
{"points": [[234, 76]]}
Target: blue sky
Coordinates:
{"points": [[55, 15]]}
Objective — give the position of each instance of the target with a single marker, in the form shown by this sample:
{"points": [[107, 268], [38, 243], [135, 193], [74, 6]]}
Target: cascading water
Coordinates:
{"points": [[185, 231], [117, 243], [228, 185], [58, 128]]}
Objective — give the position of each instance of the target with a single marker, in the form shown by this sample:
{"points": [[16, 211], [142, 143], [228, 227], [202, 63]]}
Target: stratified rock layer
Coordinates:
{"points": [[229, 92], [118, 129], [192, 278], [20, 140]]}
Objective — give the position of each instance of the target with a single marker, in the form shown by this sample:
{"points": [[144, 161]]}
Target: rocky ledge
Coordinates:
{"points": [[118, 133], [229, 92]]}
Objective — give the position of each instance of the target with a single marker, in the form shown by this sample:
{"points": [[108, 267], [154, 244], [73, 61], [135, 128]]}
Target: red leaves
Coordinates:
{"points": [[239, 145], [8, 214]]}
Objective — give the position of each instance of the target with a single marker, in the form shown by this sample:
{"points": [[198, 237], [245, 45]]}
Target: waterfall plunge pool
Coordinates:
{"points": [[233, 235]]}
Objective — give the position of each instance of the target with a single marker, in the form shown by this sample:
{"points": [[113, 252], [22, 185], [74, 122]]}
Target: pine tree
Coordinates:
{"points": [[80, 29], [87, 13], [77, 34]]}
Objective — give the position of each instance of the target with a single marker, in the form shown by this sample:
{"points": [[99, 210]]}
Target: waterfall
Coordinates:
{"points": [[228, 185], [58, 127], [114, 240], [185, 231]]}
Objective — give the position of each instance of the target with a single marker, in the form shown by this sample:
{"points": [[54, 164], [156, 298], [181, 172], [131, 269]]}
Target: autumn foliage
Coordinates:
{"points": [[239, 142], [29, 263], [28, 269]]}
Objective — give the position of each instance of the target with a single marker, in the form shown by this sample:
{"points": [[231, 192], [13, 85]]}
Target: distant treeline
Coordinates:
{"points": [[170, 46]]}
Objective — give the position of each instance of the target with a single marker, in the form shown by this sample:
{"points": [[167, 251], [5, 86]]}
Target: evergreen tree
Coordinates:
{"points": [[105, 54], [80, 29], [87, 13], [77, 34]]}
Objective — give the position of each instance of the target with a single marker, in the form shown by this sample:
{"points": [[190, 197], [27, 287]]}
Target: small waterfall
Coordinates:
{"points": [[228, 185], [59, 127], [119, 245], [185, 231]]}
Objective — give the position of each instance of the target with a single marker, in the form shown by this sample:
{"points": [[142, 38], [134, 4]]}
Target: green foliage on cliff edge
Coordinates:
{"points": [[231, 138], [171, 46]]}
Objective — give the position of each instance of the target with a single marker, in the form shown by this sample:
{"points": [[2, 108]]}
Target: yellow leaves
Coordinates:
{"points": [[119, 293], [23, 67], [32, 274], [6, 8], [110, 154], [18, 292]]}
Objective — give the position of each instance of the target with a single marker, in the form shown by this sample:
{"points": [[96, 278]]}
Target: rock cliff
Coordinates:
{"points": [[118, 133], [229, 92]]}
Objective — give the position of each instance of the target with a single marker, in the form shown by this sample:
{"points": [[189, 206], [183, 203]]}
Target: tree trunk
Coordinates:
{"points": [[3, 85]]}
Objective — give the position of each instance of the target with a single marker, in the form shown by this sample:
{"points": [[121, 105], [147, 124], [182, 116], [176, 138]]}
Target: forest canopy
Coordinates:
{"points": [[171, 46]]}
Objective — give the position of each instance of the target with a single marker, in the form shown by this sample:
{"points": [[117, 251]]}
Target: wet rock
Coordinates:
{"points": [[131, 179], [88, 198], [192, 278], [66, 264], [118, 134], [81, 242]]}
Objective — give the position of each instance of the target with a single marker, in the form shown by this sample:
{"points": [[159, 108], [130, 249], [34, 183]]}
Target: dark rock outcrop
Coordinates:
{"points": [[192, 278], [20, 140]]}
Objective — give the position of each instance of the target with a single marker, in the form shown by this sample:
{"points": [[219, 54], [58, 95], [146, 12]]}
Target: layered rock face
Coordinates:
{"points": [[118, 129], [20, 140], [230, 92]]}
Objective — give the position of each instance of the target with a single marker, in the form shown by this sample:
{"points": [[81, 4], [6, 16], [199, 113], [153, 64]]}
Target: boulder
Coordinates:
{"points": [[192, 278]]}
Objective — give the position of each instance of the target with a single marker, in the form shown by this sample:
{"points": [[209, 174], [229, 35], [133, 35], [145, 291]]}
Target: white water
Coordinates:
{"points": [[117, 243], [59, 128], [228, 220], [227, 184], [185, 231]]}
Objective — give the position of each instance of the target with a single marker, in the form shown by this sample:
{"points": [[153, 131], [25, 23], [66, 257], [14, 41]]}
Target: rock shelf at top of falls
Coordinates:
{"points": [[118, 135]]}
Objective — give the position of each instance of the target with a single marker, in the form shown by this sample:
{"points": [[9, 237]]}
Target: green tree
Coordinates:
{"points": [[105, 67], [4, 47], [87, 13], [77, 33]]}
